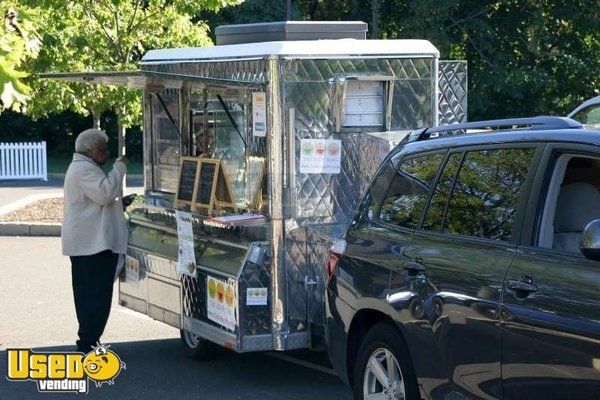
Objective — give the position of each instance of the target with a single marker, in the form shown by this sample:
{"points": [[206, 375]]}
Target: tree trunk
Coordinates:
{"points": [[313, 6], [96, 116], [354, 10], [375, 18]]}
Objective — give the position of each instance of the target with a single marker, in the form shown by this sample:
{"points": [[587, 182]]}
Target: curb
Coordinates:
{"points": [[30, 229]]}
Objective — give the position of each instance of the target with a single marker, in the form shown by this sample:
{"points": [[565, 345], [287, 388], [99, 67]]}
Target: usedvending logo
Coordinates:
{"points": [[64, 371]]}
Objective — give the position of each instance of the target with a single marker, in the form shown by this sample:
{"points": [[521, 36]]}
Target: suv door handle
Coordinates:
{"points": [[524, 287]]}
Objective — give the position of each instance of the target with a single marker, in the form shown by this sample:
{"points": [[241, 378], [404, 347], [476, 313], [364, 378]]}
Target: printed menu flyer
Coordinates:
{"points": [[320, 156], [186, 260]]}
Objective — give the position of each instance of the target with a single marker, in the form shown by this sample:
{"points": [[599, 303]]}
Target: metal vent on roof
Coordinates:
{"points": [[290, 30]]}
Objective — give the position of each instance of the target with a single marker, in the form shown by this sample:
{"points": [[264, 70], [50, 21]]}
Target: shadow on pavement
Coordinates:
{"points": [[157, 369]]}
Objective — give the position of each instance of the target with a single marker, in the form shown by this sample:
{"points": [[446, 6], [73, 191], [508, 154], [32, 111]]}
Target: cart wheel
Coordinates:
{"points": [[197, 348]]}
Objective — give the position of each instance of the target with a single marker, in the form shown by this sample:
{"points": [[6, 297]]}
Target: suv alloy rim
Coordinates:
{"points": [[383, 378]]}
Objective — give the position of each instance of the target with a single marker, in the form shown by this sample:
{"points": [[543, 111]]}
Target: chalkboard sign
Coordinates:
{"points": [[188, 171], [204, 194], [224, 192], [212, 186]]}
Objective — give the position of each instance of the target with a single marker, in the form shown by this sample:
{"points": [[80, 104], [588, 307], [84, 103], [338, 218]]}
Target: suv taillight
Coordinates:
{"points": [[336, 250]]}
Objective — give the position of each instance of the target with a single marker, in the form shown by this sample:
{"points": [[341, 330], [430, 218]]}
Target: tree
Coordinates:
{"points": [[250, 11], [105, 35], [18, 43], [525, 57]]}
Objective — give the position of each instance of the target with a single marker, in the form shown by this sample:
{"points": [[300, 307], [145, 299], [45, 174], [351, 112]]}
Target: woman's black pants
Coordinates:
{"points": [[92, 278]]}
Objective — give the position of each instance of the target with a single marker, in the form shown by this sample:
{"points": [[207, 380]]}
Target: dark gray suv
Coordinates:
{"points": [[471, 270]]}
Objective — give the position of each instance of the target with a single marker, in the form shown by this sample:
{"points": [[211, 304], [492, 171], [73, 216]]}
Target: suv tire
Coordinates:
{"points": [[383, 346]]}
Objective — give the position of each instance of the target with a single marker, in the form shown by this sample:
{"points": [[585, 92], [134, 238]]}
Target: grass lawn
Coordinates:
{"points": [[58, 165]]}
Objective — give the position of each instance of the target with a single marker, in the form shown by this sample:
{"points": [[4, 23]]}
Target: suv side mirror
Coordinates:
{"points": [[590, 240]]}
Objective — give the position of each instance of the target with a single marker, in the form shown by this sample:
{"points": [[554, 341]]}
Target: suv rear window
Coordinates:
{"points": [[487, 192], [409, 190]]}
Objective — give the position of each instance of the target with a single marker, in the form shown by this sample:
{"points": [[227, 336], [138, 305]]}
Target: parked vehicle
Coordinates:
{"points": [[462, 275], [588, 113]]}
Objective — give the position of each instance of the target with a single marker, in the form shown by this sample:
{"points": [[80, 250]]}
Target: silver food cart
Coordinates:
{"points": [[329, 112]]}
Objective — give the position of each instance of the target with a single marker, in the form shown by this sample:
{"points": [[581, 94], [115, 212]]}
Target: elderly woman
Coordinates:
{"points": [[94, 232]]}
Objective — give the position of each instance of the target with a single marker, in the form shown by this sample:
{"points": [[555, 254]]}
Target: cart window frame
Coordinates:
{"points": [[167, 143], [347, 101]]}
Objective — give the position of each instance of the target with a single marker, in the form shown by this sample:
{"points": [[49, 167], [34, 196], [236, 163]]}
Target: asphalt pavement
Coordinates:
{"points": [[37, 311]]}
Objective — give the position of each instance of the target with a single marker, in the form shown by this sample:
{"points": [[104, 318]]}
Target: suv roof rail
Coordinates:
{"points": [[534, 123]]}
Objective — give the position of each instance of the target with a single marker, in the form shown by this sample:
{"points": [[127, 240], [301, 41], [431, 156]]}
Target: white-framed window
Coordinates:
{"points": [[362, 102]]}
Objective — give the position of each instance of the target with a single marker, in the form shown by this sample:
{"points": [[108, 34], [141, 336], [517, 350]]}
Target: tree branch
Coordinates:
{"points": [[483, 58], [94, 16], [135, 10], [473, 15]]}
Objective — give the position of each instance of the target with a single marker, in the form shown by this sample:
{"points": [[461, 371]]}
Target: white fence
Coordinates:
{"points": [[23, 161]]}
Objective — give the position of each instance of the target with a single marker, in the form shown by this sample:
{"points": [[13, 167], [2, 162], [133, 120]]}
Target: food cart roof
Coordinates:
{"points": [[303, 48], [134, 79], [141, 79]]}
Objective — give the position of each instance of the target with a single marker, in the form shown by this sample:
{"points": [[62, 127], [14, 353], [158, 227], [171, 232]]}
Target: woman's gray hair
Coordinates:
{"points": [[89, 140]]}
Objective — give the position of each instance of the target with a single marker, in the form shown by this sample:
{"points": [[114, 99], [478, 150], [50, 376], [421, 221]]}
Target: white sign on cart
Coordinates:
{"points": [[221, 301], [320, 156], [186, 260]]}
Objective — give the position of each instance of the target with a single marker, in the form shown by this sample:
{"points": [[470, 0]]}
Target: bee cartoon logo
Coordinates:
{"points": [[65, 371]]}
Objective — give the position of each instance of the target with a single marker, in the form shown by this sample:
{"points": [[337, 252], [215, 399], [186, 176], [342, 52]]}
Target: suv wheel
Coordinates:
{"points": [[197, 348], [382, 369]]}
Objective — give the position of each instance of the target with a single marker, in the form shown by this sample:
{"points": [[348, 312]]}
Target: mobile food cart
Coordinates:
{"points": [[256, 153]]}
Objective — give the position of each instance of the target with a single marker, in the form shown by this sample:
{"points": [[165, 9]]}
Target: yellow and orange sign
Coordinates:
{"points": [[64, 371], [221, 304]]}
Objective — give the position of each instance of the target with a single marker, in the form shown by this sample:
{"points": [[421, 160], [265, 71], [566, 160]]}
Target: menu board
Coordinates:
{"points": [[213, 187], [206, 182], [188, 171]]}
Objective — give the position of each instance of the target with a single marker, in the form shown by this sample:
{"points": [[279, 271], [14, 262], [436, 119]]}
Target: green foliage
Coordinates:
{"points": [[526, 57], [247, 12], [18, 43], [104, 35]]}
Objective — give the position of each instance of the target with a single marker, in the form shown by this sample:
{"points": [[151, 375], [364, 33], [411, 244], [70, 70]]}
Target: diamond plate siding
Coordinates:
{"points": [[337, 195], [307, 249], [194, 296], [306, 88], [325, 198], [242, 70], [255, 320], [319, 70], [452, 92], [296, 264]]}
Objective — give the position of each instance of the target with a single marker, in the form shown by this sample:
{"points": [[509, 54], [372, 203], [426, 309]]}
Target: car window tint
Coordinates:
{"points": [[369, 206], [409, 190], [486, 194], [437, 206]]}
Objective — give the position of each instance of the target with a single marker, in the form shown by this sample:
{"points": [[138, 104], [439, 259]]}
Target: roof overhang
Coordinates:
{"points": [[321, 49], [147, 80]]}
